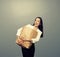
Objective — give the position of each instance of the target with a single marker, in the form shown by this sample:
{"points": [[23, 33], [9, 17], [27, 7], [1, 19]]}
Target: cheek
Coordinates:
{"points": [[35, 22], [38, 23]]}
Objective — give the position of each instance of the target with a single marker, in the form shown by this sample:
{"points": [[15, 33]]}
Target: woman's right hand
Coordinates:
{"points": [[19, 41]]}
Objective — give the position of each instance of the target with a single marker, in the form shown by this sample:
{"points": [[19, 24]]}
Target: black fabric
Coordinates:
{"points": [[28, 52]]}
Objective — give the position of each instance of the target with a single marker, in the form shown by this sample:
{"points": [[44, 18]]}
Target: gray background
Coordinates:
{"points": [[16, 13]]}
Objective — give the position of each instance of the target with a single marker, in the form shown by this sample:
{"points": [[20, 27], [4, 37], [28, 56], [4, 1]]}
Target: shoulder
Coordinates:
{"points": [[28, 25], [39, 31], [19, 29]]}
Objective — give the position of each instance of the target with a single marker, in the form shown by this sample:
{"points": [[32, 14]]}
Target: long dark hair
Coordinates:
{"points": [[40, 27]]}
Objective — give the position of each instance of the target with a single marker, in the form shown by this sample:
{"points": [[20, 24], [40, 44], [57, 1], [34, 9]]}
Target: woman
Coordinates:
{"points": [[38, 26]]}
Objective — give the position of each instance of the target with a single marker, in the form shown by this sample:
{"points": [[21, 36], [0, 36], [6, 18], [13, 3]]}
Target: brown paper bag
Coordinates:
{"points": [[26, 35]]}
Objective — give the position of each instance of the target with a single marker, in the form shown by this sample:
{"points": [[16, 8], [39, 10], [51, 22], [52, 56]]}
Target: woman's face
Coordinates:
{"points": [[37, 22]]}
